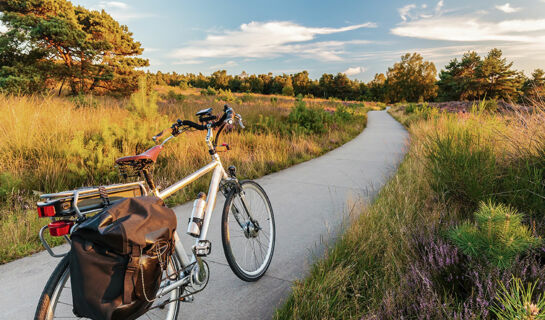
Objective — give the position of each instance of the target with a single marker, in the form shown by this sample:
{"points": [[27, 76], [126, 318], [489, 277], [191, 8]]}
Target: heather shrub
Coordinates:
{"points": [[174, 97]]}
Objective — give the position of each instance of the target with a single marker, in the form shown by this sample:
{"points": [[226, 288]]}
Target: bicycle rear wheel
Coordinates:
{"points": [[56, 299], [248, 231]]}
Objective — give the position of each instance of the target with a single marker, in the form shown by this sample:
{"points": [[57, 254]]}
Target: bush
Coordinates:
{"points": [[287, 91], [517, 302], [8, 184], [84, 101], [497, 235], [173, 96], [209, 92], [247, 97], [310, 119], [227, 96], [485, 106], [143, 104], [462, 166]]}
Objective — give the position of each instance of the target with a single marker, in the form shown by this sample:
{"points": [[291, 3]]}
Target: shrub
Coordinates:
{"points": [[342, 113], [247, 97], [84, 101], [462, 166], [227, 96], [287, 91], [485, 106], [312, 120], [173, 96], [142, 103], [274, 100], [517, 302], [209, 92], [8, 184], [497, 235]]}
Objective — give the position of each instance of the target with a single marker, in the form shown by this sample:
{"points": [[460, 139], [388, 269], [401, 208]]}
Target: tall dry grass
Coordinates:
{"points": [[51, 144], [395, 260]]}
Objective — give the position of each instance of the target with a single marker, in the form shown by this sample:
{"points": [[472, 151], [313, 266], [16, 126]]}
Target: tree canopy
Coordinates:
{"points": [[54, 40], [412, 79]]}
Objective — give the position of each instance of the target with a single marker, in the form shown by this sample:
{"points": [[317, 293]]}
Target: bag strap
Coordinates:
{"points": [[104, 196], [131, 274]]}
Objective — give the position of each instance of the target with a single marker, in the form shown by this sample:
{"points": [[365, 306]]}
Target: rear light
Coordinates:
{"points": [[46, 211], [60, 228]]}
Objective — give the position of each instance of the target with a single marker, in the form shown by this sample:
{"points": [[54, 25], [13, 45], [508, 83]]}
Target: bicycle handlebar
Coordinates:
{"points": [[227, 118]]}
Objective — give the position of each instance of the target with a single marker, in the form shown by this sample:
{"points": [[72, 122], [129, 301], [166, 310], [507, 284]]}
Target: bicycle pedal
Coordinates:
{"points": [[203, 248]]}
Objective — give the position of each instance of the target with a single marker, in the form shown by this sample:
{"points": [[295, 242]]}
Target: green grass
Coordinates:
{"points": [[396, 260], [52, 144]]}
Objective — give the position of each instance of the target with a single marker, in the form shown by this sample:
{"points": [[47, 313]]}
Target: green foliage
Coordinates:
{"points": [[473, 78], [517, 302], [209, 91], [485, 106], [311, 120], [287, 91], [84, 101], [411, 79], [8, 184], [247, 97], [143, 103], [497, 235], [173, 96], [227, 96], [274, 100], [462, 166], [95, 52]]}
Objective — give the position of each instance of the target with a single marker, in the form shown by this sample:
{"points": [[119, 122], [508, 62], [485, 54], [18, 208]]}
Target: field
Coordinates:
{"points": [[56, 143], [456, 233]]}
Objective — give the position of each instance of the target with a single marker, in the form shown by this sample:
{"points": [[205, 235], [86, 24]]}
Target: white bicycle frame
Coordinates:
{"points": [[218, 176]]}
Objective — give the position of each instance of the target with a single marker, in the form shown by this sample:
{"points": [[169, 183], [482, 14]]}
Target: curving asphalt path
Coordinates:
{"points": [[310, 200]]}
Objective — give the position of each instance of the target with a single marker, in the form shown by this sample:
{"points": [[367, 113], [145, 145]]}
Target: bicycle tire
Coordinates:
{"points": [[60, 274], [234, 263]]}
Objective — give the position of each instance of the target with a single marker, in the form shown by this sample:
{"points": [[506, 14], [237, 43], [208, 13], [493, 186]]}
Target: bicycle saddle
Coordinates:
{"points": [[148, 156], [204, 112]]}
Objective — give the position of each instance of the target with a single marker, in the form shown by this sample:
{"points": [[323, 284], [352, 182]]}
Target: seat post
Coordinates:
{"points": [[149, 179]]}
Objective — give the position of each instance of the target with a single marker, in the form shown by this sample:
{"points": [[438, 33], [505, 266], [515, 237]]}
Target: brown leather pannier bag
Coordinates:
{"points": [[118, 256]]}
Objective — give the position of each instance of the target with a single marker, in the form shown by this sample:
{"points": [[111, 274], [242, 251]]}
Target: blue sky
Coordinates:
{"points": [[360, 38]]}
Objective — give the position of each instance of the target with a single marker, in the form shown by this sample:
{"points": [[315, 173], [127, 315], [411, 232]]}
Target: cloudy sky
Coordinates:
{"points": [[359, 38]]}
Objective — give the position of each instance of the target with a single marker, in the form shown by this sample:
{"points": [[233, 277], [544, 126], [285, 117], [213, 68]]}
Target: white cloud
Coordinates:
{"points": [[121, 11], [404, 12], [507, 8], [439, 6], [469, 28], [225, 65], [270, 39], [354, 70], [112, 4]]}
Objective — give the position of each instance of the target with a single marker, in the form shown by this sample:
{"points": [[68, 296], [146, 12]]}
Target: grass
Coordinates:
{"points": [[396, 260], [52, 144]]}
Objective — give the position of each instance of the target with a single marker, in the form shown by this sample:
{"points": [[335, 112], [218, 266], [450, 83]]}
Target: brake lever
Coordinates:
{"points": [[155, 137]]}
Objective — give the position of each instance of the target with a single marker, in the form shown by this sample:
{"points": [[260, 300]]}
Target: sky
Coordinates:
{"points": [[359, 38]]}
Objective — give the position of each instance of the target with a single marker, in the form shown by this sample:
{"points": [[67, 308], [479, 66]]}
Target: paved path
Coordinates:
{"points": [[309, 201]]}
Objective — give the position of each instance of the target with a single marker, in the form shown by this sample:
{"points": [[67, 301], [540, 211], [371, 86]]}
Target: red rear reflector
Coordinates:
{"points": [[46, 211], [60, 228]]}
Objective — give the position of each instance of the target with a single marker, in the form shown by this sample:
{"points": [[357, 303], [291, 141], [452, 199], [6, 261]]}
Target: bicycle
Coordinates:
{"points": [[247, 217]]}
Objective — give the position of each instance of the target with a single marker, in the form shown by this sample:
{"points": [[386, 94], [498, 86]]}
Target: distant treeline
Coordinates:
{"points": [[412, 79], [56, 45]]}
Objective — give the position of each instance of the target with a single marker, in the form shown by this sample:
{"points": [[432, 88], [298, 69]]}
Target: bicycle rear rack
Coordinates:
{"points": [[84, 201]]}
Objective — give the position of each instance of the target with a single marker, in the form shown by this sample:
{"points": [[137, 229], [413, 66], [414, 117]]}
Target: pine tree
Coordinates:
{"points": [[496, 78], [88, 49], [497, 235], [412, 79]]}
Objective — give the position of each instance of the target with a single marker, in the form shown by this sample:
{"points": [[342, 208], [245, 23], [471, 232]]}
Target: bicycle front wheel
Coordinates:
{"points": [[248, 231], [56, 299]]}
